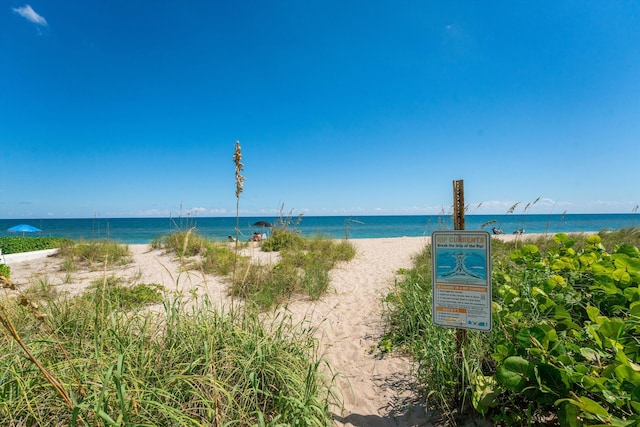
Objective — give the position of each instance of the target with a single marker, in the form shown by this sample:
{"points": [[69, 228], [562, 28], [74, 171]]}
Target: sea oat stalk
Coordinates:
{"points": [[237, 159]]}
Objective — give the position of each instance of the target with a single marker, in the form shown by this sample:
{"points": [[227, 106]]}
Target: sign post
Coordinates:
{"points": [[461, 278], [461, 273]]}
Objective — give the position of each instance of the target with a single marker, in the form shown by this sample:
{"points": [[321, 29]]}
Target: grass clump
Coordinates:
{"points": [[40, 287], [199, 253], [303, 269], [219, 259], [283, 239], [185, 243], [188, 365], [110, 292], [5, 272], [95, 254]]}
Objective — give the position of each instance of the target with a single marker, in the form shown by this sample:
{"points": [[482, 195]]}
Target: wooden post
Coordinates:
{"points": [[458, 205], [458, 224]]}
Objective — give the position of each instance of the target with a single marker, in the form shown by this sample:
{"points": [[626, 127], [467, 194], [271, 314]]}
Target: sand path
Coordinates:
{"points": [[375, 390]]}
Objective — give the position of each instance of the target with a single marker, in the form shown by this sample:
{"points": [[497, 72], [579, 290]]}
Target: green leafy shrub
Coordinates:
{"points": [[19, 244], [568, 323], [565, 344]]}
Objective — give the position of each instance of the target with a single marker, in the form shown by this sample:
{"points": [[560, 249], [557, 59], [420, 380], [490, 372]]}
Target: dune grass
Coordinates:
{"points": [[198, 253], [104, 359], [94, 254], [303, 269]]}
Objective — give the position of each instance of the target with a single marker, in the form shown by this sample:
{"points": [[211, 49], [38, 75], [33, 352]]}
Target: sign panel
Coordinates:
{"points": [[461, 264]]}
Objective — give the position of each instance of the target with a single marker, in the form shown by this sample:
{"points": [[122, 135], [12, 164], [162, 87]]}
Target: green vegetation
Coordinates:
{"points": [[40, 288], [95, 254], [105, 358], [185, 243], [109, 292], [18, 244], [198, 253], [565, 345], [283, 238], [101, 359], [303, 269], [5, 273]]}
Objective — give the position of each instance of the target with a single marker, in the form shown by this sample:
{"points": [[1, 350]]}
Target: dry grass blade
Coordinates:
{"points": [[8, 325]]}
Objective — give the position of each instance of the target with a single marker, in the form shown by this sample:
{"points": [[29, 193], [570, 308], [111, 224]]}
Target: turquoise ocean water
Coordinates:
{"points": [[144, 230]]}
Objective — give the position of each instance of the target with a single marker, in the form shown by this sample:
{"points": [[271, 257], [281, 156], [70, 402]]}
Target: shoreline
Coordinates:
{"points": [[145, 230], [19, 257]]}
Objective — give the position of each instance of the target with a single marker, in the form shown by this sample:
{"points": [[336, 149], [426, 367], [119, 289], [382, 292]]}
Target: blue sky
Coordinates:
{"points": [[119, 108]]}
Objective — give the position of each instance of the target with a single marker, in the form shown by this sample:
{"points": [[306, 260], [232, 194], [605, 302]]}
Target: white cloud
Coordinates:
{"points": [[153, 212], [196, 211], [220, 211], [30, 15]]}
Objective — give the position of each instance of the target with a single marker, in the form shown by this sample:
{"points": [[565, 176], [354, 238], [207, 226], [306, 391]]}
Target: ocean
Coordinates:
{"points": [[145, 230]]}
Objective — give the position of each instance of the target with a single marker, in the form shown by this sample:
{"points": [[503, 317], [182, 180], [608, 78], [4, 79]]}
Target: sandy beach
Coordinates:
{"points": [[376, 391]]}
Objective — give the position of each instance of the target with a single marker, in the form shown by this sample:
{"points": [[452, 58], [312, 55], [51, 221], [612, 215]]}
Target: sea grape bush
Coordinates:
{"points": [[17, 244], [566, 338]]}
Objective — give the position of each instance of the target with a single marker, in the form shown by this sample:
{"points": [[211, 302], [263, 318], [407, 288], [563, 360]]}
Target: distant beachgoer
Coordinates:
{"points": [[520, 231], [231, 238], [256, 237], [497, 230]]}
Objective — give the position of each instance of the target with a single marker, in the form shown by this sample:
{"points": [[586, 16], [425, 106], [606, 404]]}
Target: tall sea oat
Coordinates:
{"points": [[513, 208], [237, 159]]}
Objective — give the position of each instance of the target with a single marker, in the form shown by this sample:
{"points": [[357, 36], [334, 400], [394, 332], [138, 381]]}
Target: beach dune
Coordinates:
{"points": [[375, 390]]}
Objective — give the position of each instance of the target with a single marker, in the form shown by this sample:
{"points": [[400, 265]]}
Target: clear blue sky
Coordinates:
{"points": [[119, 108]]}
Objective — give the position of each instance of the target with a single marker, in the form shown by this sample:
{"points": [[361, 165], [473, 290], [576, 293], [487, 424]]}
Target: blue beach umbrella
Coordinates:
{"points": [[23, 228]]}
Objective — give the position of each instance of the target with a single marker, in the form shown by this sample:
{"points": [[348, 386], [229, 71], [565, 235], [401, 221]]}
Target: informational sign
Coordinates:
{"points": [[461, 264]]}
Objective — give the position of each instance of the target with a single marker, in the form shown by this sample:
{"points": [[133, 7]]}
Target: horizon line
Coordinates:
{"points": [[307, 215]]}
